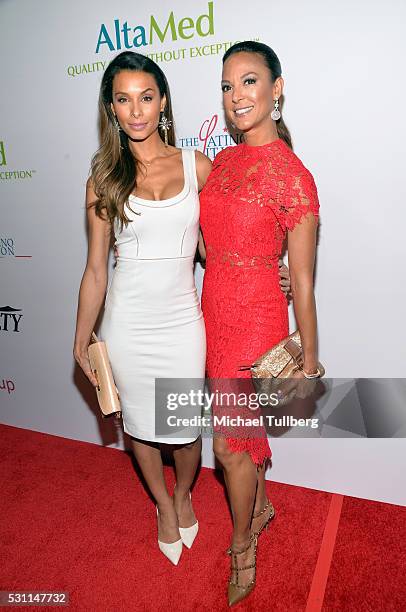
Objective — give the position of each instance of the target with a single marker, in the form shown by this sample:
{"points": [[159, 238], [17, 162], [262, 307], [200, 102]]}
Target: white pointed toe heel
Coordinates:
{"points": [[171, 550], [188, 534]]}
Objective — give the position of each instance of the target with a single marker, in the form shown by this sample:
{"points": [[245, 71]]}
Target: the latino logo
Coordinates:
{"points": [[6, 175], [121, 35], [211, 139], [10, 319]]}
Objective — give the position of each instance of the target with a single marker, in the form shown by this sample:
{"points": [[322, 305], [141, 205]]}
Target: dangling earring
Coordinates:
{"points": [[165, 124], [116, 124], [119, 129], [275, 115]]}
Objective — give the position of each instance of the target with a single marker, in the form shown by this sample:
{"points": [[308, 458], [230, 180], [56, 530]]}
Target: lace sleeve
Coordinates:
{"points": [[297, 199]]}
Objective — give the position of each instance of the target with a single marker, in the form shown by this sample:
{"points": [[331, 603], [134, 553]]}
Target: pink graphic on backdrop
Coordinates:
{"points": [[206, 130]]}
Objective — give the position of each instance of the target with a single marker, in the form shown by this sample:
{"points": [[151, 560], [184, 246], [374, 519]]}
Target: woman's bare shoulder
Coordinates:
{"points": [[202, 160], [203, 168]]}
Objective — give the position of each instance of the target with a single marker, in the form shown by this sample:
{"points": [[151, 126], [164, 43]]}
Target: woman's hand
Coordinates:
{"points": [[284, 278], [82, 359], [304, 387]]}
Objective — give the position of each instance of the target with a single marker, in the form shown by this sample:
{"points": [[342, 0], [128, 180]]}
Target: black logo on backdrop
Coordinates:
{"points": [[10, 319], [7, 385], [7, 249]]}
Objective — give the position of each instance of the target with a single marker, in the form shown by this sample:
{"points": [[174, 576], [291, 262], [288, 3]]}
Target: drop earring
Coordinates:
{"points": [[165, 124], [275, 115], [116, 124], [119, 129]]}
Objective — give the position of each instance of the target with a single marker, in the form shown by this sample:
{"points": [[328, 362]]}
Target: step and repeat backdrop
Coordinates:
{"points": [[344, 94]]}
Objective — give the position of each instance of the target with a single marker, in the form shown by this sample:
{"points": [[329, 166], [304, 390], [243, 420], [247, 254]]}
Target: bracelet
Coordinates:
{"points": [[310, 376]]}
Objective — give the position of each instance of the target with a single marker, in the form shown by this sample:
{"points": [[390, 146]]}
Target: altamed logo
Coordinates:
{"points": [[124, 36], [163, 38], [3, 161], [6, 175]]}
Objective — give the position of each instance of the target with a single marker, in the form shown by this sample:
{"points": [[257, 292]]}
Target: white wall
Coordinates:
{"points": [[343, 68]]}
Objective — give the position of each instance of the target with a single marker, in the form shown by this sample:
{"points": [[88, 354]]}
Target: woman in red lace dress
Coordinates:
{"points": [[258, 192]]}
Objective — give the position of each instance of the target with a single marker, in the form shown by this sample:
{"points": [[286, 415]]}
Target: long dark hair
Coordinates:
{"points": [[274, 65], [113, 167]]}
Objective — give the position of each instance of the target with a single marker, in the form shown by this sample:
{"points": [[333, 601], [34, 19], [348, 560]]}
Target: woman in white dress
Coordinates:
{"points": [[145, 190]]}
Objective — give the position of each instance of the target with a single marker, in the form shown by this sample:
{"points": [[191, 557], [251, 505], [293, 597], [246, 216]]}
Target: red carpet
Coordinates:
{"points": [[76, 518]]}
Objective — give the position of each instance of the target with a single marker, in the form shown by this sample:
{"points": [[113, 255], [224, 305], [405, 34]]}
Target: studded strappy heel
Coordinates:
{"points": [[236, 591], [265, 525]]}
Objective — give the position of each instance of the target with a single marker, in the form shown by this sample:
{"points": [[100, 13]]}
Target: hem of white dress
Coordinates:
{"points": [[158, 439]]}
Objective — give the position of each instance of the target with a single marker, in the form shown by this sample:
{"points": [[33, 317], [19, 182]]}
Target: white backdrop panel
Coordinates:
{"points": [[343, 68]]}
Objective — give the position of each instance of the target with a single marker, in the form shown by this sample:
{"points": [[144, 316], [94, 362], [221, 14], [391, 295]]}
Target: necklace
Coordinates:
{"points": [[148, 163]]}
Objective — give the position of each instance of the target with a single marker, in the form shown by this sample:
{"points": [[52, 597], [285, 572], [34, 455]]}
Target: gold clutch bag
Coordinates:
{"points": [[280, 362], [106, 390]]}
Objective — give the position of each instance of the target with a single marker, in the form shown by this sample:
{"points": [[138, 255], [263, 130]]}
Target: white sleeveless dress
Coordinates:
{"points": [[152, 322]]}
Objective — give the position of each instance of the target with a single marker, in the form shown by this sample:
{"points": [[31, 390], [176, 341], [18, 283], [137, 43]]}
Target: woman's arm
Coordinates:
{"points": [[301, 256], [203, 169], [94, 283]]}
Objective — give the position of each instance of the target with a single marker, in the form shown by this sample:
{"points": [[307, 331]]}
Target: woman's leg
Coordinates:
{"points": [[148, 456], [262, 509], [187, 459], [241, 481], [260, 499]]}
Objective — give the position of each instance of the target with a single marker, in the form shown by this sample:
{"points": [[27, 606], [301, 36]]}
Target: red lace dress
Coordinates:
{"points": [[253, 195]]}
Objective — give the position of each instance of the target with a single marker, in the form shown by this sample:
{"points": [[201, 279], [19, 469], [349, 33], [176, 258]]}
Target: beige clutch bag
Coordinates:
{"points": [[106, 390]]}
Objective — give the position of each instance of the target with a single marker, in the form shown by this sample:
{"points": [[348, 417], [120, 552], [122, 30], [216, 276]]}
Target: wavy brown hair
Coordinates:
{"points": [[274, 65], [114, 168]]}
